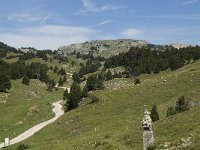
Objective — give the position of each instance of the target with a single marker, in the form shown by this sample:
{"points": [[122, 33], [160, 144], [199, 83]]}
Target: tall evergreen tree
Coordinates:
{"points": [[108, 75], [55, 70], [60, 82], [154, 113], [76, 77], [64, 79], [62, 71], [51, 85], [85, 91], [4, 83], [94, 83], [74, 97], [65, 94]]}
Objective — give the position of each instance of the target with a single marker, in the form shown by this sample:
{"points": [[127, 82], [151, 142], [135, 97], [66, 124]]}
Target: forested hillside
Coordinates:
{"points": [[104, 107]]}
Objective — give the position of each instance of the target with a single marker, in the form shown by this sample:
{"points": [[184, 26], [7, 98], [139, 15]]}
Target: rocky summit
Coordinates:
{"points": [[103, 47]]}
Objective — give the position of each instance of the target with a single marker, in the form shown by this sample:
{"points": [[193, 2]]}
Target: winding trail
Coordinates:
{"points": [[58, 112]]}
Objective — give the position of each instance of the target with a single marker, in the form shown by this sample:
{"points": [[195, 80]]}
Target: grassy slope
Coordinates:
{"points": [[15, 106], [16, 114], [117, 116]]}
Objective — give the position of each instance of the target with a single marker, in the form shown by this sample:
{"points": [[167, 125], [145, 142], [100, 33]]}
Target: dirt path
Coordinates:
{"points": [[58, 112]]}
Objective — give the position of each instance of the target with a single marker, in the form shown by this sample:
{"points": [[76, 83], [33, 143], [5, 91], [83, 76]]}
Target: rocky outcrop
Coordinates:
{"points": [[103, 47], [148, 138]]}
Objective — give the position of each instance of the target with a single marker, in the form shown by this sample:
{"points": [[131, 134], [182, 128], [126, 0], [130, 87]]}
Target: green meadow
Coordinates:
{"points": [[114, 122]]}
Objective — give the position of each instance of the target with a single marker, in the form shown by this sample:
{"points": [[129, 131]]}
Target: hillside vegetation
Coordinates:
{"points": [[108, 96], [114, 122]]}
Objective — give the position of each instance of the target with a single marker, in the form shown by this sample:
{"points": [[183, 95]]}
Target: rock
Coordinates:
{"points": [[148, 138], [33, 110]]}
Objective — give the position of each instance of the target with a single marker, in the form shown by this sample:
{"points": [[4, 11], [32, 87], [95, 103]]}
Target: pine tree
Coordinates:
{"points": [[65, 94], [76, 77], [25, 80], [4, 83], [55, 70], [94, 83], [154, 113], [171, 111], [85, 91], [109, 75], [62, 71], [51, 85], [74, 97], [182, 104], [60, 82], [82, 71], [64, 79], [137, 81]]}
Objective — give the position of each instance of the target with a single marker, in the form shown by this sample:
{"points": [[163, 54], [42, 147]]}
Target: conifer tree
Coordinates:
{"points": [[109, 75], [181, 104], [76, 77], [94, 83], [64, 79], [74, 97], [25, 80], [137, 81], [51, 85], [62, 71], [60, 82], [55, 70], [171, 111], [4, 83], [65, 94], [154, 113], [85, 91]]}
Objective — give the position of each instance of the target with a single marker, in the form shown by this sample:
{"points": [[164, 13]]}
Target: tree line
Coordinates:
{"points": [[144, 60], [20, 70], [4, 48]]}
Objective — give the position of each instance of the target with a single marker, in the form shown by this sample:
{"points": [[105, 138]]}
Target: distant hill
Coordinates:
{"points": [[103, 47]]}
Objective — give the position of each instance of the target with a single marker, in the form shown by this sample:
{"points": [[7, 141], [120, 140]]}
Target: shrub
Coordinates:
{"points": [[181, 106], [154, 113], [137, 81], [25, 80], [94, 99], [22, 147]]}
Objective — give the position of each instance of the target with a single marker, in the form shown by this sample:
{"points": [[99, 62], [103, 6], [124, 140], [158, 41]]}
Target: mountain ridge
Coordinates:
{"points": [[107, 48], [102, 47]]}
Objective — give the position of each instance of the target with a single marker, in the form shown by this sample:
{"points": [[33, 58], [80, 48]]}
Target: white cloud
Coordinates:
{"points": [[101, 23], [90, 6], [187, 2], [130, 33], [109, 7], [27, 17], [164, 34], [47, 37], [171, 17]]}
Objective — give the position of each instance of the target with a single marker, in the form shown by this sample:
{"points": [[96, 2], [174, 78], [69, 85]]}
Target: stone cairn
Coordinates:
{"points": [[148, 138]]}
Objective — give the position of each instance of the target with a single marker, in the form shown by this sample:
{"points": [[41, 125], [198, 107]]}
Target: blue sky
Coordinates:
{"points": [[49, 24]]}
